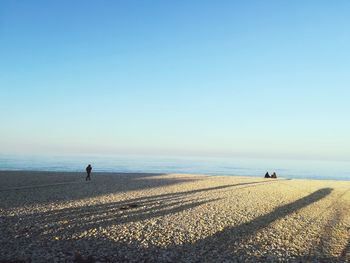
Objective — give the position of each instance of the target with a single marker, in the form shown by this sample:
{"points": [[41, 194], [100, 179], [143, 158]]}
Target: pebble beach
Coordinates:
{"points": [[119, 217]]}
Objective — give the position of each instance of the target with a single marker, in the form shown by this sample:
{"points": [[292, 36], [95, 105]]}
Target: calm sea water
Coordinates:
{"points": [[199, 165]]}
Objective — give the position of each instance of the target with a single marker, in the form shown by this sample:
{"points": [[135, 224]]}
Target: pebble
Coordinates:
{"points": [[174, 218]]}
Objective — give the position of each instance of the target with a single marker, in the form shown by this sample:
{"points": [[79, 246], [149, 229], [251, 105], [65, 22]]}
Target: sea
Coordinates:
{"points": [[232, 166]]}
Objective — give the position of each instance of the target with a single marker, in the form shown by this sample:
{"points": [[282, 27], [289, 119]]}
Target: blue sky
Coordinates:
{"points": [[236, 78]]}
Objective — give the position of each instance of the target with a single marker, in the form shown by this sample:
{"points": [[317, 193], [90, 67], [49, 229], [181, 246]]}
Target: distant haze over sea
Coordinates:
{"points": [[308, 169]]}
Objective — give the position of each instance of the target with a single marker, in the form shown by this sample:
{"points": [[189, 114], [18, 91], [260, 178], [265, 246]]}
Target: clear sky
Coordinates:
{"points": [[248, 78]]}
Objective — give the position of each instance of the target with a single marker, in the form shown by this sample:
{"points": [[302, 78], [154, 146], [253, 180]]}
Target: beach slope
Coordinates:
{"points": [[59, 217]]}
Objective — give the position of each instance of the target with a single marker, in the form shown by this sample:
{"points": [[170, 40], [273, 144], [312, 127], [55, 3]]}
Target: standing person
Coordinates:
{"points": [[88, 171]]}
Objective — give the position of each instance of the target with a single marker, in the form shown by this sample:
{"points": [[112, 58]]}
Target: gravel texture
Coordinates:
{"points": [[59, 217]]}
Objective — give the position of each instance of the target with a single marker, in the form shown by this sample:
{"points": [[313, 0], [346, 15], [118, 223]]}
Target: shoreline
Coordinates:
{"points": [[162, 173]]}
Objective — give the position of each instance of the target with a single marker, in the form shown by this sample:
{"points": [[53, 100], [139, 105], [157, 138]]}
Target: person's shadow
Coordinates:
{"points": [[52, 224], [231, 237], [210, 249]]}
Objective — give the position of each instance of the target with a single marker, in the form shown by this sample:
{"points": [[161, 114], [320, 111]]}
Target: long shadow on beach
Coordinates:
{"points": [[66, 225], [330, 232], [47, 187], [232, 236], [207, 249], [229, 239], [75, 219]]}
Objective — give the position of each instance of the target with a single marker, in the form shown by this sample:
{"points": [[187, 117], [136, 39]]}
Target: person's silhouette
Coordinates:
{"points": [[267, 175], [88, 172], [274, 175]]}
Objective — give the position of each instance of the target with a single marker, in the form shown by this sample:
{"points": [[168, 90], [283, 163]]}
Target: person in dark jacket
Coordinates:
{"points": [[88, 172], [267, 175], [274, 175]]}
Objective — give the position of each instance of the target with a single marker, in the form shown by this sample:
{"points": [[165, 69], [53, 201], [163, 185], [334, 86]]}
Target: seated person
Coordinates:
{"points": [[274, 175], [267, 175]]}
